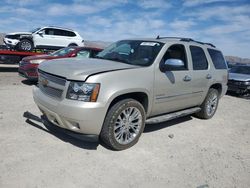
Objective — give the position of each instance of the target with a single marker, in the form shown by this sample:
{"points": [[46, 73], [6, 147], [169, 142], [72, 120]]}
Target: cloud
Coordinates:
{"points": [[181, 24], [23, 2], [82, 7], [159, 4], [191, 3]]}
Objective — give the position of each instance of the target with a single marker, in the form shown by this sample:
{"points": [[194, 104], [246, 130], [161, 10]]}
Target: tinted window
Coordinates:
{"points": [[70, 34], [83, 53], [240, 70], [94, 53], [217, 58], [49, 31], [62, 52], [176, 51], [59, 32], [135, 52], [199, 58]]}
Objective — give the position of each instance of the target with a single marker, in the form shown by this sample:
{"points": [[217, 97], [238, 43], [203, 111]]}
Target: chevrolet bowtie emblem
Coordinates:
{"points": [[44, 82]]}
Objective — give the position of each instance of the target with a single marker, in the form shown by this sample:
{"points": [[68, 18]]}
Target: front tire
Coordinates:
{"points": [[123, 125], [25, 45], [210, 104]]}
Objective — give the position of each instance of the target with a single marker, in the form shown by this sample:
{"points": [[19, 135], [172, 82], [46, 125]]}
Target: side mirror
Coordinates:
{"points": [[40, 33], [172, 64]]}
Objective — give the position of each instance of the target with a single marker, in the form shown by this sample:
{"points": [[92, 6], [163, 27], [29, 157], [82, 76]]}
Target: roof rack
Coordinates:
{"points": [[185, 40], [60, 27]]}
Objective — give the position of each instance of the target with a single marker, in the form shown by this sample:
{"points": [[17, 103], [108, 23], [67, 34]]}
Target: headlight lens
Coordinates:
{"points": [[37, 61], [81, 91], [247, 83]]}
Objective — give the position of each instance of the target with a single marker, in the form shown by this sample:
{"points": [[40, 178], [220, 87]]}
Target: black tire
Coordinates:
{"points": [[206, 111], [108, 130], [25, 45]]}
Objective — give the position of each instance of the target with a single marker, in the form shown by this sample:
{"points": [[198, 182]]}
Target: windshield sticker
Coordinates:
{"points": [[149, 44]]}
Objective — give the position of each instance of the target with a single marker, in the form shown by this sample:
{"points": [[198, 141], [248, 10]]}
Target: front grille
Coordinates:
{"points": [[234, 82], [50, 84]]}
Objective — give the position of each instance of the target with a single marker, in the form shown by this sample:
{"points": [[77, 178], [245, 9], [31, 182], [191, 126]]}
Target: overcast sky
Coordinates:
{"points": [[226, 23]]}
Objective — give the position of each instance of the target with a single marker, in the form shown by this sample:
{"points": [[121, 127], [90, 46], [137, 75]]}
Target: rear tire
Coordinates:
{"points": [[123, 125], [25, 45], [209, 105]]}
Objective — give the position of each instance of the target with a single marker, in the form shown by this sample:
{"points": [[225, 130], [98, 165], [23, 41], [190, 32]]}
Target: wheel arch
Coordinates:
{"points": [[72, 44], [218, 87], [139, 96]]}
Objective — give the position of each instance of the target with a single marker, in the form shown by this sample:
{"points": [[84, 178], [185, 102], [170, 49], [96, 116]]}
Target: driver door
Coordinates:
{"points": [[173, 88]]}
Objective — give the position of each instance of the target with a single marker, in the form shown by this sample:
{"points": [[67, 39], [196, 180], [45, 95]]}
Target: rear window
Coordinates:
{"points": [[217, 58], [199, 58]]}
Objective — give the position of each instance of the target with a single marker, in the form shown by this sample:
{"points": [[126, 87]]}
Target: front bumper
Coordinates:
{"points": [[80, 117], [28, 71], [10, 42], [238, 87]]}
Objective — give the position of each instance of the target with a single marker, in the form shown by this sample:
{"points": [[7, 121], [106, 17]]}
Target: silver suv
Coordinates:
{"points": [[131, 83]]}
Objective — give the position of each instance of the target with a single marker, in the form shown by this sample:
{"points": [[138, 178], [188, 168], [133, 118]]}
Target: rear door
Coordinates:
{"points": [[201, 73]]}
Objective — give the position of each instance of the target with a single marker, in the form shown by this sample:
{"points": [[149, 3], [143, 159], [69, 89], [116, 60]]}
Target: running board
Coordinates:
{"points": [[167, 117]]}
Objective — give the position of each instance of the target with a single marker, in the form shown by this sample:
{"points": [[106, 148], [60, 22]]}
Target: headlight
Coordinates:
{"points": [[37, 61], [247, 83], [83, 91]]}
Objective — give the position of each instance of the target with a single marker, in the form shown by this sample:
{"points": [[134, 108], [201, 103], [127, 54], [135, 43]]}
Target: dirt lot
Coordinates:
{"points": [[188, 152]]}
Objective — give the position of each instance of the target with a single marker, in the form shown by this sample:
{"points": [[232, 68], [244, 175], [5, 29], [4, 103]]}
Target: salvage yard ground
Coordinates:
{"points": [[187, 152]]}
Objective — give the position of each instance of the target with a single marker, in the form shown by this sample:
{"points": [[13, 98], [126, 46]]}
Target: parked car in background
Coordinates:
{"points": [[50, 37], [239, 79], [28, 65]]}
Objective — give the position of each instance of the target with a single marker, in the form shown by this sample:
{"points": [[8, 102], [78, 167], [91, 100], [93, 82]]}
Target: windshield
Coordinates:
{"points": [[62, 52], [34, 30], [240, 70], [135, 52]]}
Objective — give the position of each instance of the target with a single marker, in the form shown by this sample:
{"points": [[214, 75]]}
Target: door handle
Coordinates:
{"points": [[187, 78], [209, 76]]}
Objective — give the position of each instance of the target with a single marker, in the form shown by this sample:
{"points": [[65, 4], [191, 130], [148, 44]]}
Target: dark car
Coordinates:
{"points": [[239, 79], [28, 65]]}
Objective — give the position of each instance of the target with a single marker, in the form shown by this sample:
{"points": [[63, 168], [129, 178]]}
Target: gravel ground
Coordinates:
{"points": [[187, 152]]}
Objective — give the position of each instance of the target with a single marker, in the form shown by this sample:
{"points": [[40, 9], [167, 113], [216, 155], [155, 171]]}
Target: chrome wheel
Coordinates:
{"points": [[212, 104], [128, 125]]}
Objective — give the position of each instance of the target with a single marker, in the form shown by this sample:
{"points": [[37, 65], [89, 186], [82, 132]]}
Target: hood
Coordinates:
{"points": [[239, 77], [81, 68], [33, 57], [20, 33]]}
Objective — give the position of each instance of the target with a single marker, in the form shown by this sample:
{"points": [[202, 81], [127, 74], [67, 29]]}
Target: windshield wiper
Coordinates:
{"points": [[119, 60]]}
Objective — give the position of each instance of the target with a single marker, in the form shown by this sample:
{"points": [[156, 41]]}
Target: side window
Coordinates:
{"points": [[199, 58], [59, 32], [49, 31], [83, 53], [217, 58], [94, 53], [70, 34], [176, 51]]}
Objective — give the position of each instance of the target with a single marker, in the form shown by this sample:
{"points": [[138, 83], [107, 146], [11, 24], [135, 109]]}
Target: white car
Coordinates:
{"points": [[44, 38]]}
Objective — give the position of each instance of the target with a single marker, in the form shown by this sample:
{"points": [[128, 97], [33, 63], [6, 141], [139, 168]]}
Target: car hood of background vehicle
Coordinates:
{"points": [[239, 77], [34, 57], [20, 33], [80, 69]]}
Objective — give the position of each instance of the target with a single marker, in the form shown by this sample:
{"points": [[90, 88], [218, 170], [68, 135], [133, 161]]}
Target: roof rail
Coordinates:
{"points": [[181, 38], [186, 40], [60, 27]]}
